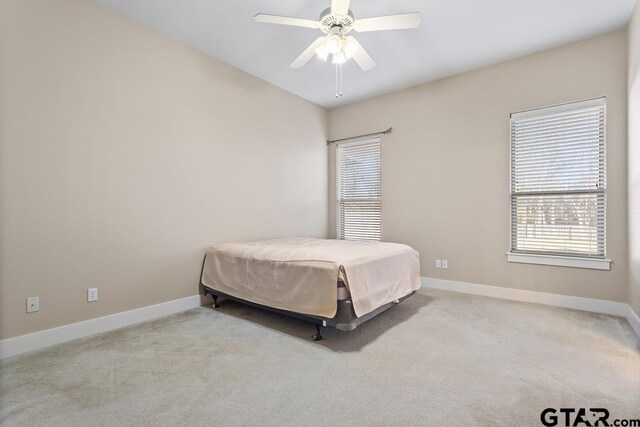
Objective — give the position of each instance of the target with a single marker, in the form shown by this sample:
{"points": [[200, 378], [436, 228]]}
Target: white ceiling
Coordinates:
{"points": [[455, 36]]}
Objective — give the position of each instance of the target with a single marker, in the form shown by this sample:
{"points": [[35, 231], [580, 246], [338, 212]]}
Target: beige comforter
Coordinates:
{"points": [[300, 274]]}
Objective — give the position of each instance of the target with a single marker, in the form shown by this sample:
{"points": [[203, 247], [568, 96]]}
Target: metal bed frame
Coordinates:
{"points": [[344, 320]]}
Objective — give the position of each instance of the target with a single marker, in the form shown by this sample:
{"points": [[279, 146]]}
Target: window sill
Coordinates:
{"points": [[562, 261]]}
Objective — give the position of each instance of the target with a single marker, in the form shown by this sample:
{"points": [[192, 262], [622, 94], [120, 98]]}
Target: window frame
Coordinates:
{"points": [[354, 143], [559, 259]]}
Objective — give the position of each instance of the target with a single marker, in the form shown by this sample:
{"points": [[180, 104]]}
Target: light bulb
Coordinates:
{"points": [[339, 58], [350, 49], [333, 43], [322, 52]]}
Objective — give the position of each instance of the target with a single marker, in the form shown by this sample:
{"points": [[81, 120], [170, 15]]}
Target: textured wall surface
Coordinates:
{"points": [[124, 154]]}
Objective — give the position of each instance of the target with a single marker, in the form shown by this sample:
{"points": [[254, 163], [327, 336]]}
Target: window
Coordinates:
{"points": [[358, 190], [558, 185]]}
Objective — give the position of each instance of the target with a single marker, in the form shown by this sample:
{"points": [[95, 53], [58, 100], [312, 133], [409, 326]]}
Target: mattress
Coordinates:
{"points": [[300, 274]]}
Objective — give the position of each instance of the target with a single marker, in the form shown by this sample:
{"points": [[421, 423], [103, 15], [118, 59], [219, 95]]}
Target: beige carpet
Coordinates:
{"points": [[436, 359]]}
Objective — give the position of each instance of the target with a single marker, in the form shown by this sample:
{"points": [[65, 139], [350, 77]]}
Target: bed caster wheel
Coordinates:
{"points": [[215, 302], [216, 306]]}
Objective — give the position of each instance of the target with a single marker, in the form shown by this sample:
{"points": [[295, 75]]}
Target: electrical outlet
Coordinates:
{"points": [[445, 264], [33, 304], [92, 294], [438, 263]]}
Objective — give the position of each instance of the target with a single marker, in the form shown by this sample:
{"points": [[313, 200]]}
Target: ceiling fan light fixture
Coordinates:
{"points": [[339, 58], [333, 44], [350, 49], [322, 52]]}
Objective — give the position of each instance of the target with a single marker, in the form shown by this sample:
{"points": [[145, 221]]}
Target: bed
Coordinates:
{"points": [[334, 283]]}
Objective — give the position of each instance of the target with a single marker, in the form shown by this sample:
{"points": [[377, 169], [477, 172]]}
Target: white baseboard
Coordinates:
{"points": [[38, 340], [613, 308]]}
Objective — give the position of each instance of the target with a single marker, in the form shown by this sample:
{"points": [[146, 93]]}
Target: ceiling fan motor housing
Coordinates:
{"points": [[330, 22]]}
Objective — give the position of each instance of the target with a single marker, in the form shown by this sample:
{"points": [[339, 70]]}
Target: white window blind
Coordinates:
{"points": [[358, 190], [558, 181]]}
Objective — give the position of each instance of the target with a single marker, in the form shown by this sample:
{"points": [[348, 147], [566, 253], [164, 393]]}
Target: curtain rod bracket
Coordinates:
{"points": [[384, 132]]}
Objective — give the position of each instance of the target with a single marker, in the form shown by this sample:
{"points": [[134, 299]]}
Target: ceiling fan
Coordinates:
{"points": [[336, 22]]}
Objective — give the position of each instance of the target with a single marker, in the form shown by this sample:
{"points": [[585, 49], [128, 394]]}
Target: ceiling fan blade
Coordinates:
{"points": [[340, 7], [285, 20], [307, 54], [362, 58], [390, 22]]}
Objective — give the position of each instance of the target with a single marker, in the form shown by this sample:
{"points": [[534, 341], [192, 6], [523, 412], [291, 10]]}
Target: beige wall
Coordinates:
{"points": [[445, 175], [125, 154], [634, 160]]}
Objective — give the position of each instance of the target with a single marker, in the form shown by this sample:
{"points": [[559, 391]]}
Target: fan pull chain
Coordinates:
{"points": [[338, 80]]}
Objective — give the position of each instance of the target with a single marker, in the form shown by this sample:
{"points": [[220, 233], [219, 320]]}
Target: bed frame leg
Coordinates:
{"points": [[317, 336], [215, 301]]}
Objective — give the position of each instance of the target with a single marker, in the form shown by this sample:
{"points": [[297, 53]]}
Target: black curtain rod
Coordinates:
{"points": [[384, 132]]}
